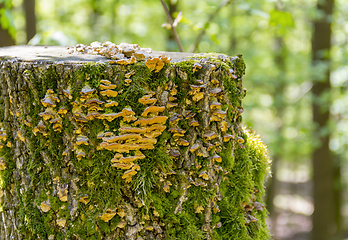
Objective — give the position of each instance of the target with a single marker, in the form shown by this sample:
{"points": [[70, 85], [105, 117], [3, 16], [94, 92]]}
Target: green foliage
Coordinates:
{"points": [[6, 17]]}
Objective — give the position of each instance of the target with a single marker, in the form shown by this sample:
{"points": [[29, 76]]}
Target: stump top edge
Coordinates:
{"points": [[58, 53]]}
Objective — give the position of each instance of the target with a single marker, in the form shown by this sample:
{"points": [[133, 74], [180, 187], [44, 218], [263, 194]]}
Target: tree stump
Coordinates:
{"points": [[93, 149]]}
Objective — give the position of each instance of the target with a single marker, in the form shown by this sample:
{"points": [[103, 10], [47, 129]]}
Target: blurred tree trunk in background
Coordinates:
{"points": [[5, 37], [30, 24], [273, 187], [324, 226], [172, 8]]}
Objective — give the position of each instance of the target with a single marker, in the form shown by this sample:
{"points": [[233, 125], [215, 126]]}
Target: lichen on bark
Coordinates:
{"points": [[108, 151]]}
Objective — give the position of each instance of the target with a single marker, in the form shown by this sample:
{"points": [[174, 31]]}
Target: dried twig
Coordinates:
{"points": [[211, 17], [173, 27]]}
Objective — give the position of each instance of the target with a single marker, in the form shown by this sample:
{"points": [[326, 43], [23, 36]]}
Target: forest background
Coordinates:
{"points": [[296, 54]]}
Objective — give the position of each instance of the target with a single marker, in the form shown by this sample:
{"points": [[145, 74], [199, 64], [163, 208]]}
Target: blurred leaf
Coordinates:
{"points": [[214, 39], [177, 19], [281, 19]]}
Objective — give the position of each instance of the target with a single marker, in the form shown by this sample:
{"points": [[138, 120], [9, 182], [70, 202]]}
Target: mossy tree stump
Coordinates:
{"points": [[91, 149]]}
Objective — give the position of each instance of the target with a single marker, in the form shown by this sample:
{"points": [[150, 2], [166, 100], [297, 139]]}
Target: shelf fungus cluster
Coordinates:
{"points": [[136, 146], [136, 133]]}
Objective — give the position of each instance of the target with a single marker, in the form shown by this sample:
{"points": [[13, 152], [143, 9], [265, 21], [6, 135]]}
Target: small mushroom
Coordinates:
{"points": [[67, 93], [126, 61], [110, 116], [214, 118], [165, 59], [198, 96], [92, 115], [171, 98], [132, 130], [80, 154], [154, 64], [106, 87], [240, 140], [63, 192], [177, 132], [136, 167], [215, 105], [84, 199], [124, 166], [104, 81], [194, 147], [93, 101], [196, 88], [219, 113], [214, 81], [182, 142], [216, 158], [129, 118], [210, 147], [171, 105], [140, 55], [109, 93], [228, 137], [108, 215], [2, 163], [61, 222], [215, 91], [152, 109], [131, 158], [82, 140], [111, 104], [199, 209], [48, 113], [149, 121], [128, 175], [121, 138], [194, 123], [174, 119], [45, 206], [166, 186], [196, 67], [127, 81], [95, 108], [86, 91], [204, 175], [216, 209], [175, 153], [62, 110], [147, 100], [190, 115], [210, 135], [128, 75], [223, 126]]}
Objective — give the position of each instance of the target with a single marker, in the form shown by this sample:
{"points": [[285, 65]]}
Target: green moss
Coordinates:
{"points": [[104, 185]]}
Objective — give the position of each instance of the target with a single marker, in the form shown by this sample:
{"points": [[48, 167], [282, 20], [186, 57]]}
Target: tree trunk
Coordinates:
{"points": [[5, 39], [30, 18], [91, 149], [322, 159]]}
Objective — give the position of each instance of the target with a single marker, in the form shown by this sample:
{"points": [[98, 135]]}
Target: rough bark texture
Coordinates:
{"points": [[323, 162], [95, 150]]}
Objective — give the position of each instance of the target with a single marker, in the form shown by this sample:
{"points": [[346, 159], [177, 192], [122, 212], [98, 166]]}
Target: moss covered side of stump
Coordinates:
{"points": [[105, 151]]}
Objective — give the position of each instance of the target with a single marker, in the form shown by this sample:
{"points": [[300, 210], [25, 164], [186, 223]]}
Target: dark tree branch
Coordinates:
{"points": [[171, 24], [210, 19]]}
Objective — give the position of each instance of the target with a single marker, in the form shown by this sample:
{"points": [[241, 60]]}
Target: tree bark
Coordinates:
{"points": [[30, 24], [91, 149], [323, 218]]}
